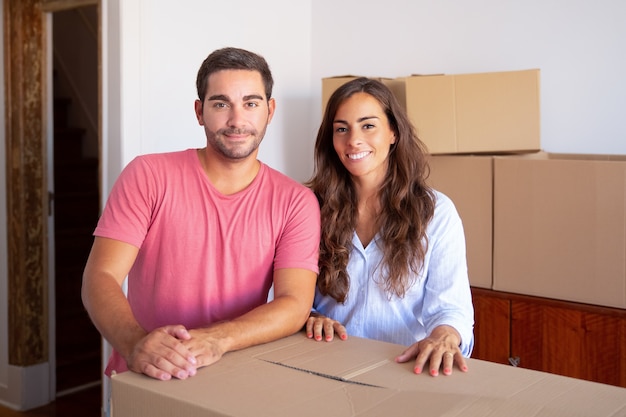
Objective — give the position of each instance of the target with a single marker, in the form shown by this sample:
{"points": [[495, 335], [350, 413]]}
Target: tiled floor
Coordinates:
{"points": [[86, 403]]}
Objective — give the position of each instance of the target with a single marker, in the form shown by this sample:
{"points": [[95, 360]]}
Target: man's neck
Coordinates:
{"points": [[228, 176]]}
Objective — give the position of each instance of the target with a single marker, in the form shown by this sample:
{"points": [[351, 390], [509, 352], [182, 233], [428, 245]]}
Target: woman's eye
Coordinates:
{"points": [[340, 129]]}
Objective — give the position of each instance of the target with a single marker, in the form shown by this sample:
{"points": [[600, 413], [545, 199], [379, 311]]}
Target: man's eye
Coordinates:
{"points": [[219, 105], [252, 104]]}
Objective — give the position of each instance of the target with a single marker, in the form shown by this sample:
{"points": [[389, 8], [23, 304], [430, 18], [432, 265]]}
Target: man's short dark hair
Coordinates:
{"points": [[233, 59]]}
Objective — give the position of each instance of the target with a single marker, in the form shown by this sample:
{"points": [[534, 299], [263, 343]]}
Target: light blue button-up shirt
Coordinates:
{"points": [[439, 295]]}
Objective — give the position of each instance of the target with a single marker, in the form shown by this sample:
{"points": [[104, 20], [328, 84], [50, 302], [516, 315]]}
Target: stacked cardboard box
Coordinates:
{"points": [[475, 113], [560, 227], [467, 113], [535, 223], [467, 180], [548, 225], [463, 119], [330, 84]]}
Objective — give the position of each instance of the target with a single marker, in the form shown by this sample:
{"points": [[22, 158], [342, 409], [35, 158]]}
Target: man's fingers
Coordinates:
{"points": [[162, 355], [181, 333]]}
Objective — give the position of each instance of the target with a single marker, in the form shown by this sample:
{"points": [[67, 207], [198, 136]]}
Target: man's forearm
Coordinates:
{"points": [[111, 314]]}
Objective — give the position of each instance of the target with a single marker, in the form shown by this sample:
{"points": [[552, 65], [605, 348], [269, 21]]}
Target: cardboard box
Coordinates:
{"points": [[560, 227], [296, 376], [496, 112], [468, 181], [330, 84]]}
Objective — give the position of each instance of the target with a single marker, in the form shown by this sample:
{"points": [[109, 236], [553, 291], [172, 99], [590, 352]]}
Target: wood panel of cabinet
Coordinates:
{"points": [[492, 324], [570, 339]]}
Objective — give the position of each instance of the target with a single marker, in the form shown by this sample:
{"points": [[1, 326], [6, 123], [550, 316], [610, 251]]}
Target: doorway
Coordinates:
{"points": [[31, 281], [76, 194]]}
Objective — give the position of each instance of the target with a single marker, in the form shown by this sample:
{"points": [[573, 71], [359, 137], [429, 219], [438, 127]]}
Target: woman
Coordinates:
{"points": [[392, 252]]}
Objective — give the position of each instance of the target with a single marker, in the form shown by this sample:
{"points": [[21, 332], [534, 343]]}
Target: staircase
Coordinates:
{"points": [[76, 211]]}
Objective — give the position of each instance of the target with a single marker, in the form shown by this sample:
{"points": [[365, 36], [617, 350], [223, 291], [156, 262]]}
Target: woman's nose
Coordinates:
{"points": [[353, 137]]}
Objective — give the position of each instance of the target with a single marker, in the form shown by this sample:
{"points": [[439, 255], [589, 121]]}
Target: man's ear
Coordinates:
{"points": [[198, 108], [271, 107]]}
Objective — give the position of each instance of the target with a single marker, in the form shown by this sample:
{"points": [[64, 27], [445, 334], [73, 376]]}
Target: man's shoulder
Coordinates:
{"points": [[155, 162], [281, 179], [289, 189], [165, 157]]}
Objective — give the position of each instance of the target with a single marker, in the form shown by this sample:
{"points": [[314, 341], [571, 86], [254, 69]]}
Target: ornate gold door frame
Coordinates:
{"points": [[27, 189], [25, 34]]}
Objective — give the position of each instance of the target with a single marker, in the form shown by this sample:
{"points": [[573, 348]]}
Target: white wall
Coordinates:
{"points": [[578, 45], [163, 47]]}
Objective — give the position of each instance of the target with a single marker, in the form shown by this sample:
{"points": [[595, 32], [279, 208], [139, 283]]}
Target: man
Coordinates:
{"points": [[202, 235]]}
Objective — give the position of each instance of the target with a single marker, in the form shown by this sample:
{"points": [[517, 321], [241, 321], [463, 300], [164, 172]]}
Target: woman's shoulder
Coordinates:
{"points": [[445, 208], [442, 200]]}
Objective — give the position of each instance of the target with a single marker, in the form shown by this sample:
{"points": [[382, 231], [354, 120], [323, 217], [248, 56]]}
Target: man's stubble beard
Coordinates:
{"points": [[236, 151]]}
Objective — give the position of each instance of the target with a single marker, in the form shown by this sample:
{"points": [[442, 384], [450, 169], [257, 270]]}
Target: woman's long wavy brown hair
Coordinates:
{"points": [[407, 203]]}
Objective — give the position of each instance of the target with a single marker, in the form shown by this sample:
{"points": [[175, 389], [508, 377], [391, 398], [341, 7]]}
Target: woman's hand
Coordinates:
{"points": [[318, 326], [440, 349]]}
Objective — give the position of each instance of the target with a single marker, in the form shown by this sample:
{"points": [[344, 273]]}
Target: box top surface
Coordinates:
{"points": [[357, 377]]}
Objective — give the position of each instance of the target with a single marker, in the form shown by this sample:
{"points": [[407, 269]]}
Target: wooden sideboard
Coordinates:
{"points": [[565, 338]]}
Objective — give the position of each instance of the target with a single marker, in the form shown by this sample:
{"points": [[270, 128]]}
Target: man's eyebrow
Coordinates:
{"points": [[218, 97], [253, 97], [222, 97]]}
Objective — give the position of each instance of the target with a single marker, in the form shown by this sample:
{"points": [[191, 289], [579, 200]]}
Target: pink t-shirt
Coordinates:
{"points": [[205, 257]]}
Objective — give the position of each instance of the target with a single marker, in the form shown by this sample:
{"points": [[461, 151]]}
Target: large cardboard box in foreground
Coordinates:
{"points": [[492, 112], [296, 376], [560, 227], [468, 181]]}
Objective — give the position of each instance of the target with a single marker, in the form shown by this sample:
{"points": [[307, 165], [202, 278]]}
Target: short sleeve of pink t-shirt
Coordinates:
{"points": [[203, 256]]}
